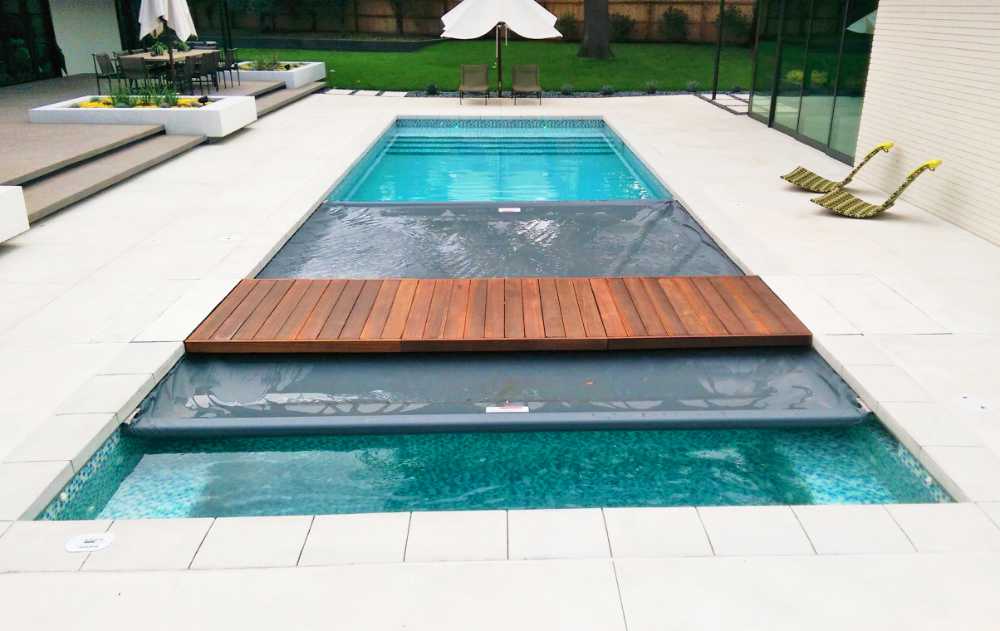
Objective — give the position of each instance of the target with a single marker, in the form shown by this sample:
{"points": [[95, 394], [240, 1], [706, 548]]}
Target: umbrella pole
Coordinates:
{"points": [[499, 64]]}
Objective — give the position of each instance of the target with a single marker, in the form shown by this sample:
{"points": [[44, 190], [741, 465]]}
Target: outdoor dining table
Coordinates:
{"points": [[179, 55]]}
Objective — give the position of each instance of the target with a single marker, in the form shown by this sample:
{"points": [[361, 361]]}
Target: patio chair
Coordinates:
{"points": [[229, 64], [476, 79], [184, 77], [847, 205], [204, 69], [809, 181], [524, 80], [134, 71], [104, 68]]}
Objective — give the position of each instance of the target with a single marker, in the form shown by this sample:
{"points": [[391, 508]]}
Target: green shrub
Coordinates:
{"points": [[651, 87], [736, 26], [569, 26], [431, 89], [566, 89], [621, 27], [692, 86], [607, 90], [674, 25]]}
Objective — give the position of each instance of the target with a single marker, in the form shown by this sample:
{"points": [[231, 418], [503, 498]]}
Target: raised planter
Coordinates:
{"points": [[13, 213], [303, 74], [218, 118]]}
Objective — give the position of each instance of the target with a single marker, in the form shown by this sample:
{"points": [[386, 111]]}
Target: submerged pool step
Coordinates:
{"points": [[496, 314]]}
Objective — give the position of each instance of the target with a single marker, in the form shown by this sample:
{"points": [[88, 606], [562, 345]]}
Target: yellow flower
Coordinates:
{"points": [[95, 104]]}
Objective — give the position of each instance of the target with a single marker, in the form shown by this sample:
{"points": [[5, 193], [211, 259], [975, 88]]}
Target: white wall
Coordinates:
{"points": [[933, 88], [83, 27]]}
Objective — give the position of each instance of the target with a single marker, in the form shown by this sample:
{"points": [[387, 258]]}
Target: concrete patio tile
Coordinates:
{"points": [[457, 536], [992, 509], [113, 394], [976, 470], [809, 306], [150, 544], [884, 384], [852, 529], [73, 437], [145, 358], [26, 487], [873, 306], [557, 534], [183, 316], [362, 538], [851, 350], [947, 527], [754, 530], [242, 542], [4, 525], [928, 423], [35, 546], [656, 532]]}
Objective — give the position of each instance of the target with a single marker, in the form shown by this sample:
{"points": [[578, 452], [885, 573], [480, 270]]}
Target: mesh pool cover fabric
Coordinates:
{"points": [[248, 395], [476, 240]]}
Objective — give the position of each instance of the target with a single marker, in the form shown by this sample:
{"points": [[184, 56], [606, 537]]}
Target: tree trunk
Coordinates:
{"points": [[596, 30]]}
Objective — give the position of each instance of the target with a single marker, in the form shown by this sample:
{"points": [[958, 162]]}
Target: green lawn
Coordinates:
{"points": [[671, 66]]}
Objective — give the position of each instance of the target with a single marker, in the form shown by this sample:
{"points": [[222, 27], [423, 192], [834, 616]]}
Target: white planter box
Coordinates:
{"points": [[13, 214], [221, 117], [311, 72]]}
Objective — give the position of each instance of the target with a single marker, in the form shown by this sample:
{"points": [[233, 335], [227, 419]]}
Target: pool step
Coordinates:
{"points": [[54, 192], [497, 314], [280, 98]]}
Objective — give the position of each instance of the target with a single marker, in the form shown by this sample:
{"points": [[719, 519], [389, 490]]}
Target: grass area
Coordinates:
{"points": [[670, 66]]}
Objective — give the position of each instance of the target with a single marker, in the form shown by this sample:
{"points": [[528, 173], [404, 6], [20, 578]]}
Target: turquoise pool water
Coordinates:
{"points": [[137, 478], [498, 160]]}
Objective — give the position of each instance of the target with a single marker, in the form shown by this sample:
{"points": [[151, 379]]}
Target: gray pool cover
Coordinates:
{"points": [[210, 396], [475, 240]]}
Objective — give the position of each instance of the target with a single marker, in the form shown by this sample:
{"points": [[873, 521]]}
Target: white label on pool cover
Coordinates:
{"points": [[89, 543], [509, 209], [507, 409]]}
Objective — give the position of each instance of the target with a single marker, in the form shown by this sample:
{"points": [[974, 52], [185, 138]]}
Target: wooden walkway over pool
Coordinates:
{"points": [[496, 314]]}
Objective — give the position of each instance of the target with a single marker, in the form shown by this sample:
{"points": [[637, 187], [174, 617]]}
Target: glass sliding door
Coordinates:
{"points": [[810, 67], [857, 51], [765, 58], [27, 42]]}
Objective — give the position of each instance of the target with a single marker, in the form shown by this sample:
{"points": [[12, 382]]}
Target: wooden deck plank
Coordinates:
{"points": [[588, 308], [531, 300], [394, 324], [610, 317], [551, 315], [513, 308], [380, 310], [497, 314]]}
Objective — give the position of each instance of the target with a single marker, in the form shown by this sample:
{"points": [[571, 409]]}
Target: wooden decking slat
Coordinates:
{"points": [[506, 314], [513, 308], [531, 300]]}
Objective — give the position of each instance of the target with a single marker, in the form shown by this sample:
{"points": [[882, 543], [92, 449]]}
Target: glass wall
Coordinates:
{"points": [[27, 43], [810, 65]]}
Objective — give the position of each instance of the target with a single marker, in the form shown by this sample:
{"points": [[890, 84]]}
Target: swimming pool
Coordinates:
{"points": [[476, 240], [136, 478], [497, 160]]}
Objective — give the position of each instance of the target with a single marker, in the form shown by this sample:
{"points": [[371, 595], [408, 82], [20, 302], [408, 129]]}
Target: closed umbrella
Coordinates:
{"points": [[154, 15], [474, 18]]}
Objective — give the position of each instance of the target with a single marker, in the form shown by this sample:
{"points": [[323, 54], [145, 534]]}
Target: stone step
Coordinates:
{"points": [[47, 195], [276, 100], [39, 150]]}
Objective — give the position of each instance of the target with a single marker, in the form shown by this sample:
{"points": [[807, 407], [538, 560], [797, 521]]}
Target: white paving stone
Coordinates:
{"points": [[457, 536], [112, 394], [557, 534], [36, 546], [976, 470], [885, 384], [947, 527], [993, 510], [754, 530], [852, 529], [73, 437], [853, 350], [242, 542], [26, 487], [656, 532], [930, 424], [363, 538], [145, 358], [150, 544], [185, 314]]}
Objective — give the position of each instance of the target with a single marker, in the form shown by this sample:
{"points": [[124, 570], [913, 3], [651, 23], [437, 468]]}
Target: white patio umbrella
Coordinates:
{"points": [[475, 18], [865, 26], [155, 14]]}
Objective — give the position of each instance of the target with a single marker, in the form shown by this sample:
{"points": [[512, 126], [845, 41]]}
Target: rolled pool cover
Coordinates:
{"points": [[210, 396]]}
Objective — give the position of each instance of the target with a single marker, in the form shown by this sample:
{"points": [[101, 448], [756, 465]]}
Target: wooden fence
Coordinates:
{"points": [[423, 17]]}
